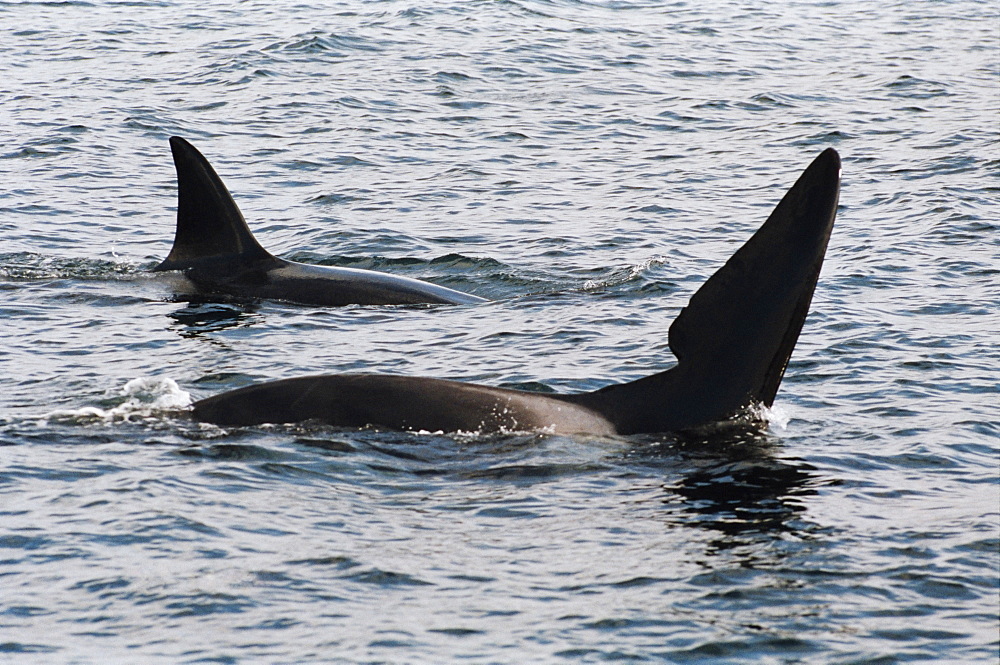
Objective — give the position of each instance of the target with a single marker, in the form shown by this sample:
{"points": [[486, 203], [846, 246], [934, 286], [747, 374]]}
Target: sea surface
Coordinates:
{"points": [[583, 165]]}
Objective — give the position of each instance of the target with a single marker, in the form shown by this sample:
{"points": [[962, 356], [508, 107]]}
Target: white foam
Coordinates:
{"points": [[144, 398], [626, 275], [776, 416]]}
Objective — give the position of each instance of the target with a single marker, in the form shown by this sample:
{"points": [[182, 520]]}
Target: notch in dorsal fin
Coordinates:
{"points": [[210, 225]]}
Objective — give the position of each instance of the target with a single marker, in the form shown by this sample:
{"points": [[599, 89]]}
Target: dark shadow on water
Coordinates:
{"points": [[749, 496], [730, 481], [199, 317], [735, 484]]}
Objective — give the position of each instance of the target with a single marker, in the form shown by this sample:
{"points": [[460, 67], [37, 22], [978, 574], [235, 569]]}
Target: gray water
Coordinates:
{"points": [[585, 166]]}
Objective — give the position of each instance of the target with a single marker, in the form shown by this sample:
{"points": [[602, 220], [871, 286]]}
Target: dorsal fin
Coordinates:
{"points": [[752, 309], [209, 223], [734, 338]]}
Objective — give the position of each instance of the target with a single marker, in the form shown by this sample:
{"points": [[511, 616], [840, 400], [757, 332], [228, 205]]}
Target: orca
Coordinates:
{"points": [[732, 343], [216, 251]]}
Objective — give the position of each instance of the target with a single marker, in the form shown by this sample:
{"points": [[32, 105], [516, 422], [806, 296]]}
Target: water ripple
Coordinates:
{"points": [[583, 164]]}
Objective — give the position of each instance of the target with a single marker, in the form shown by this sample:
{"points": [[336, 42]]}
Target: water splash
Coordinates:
{"points": [[143, 398], [29, 266], [776, 416], [625, 274]]}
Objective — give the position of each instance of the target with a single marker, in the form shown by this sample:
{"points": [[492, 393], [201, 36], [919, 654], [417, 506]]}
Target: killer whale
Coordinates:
{"points": [[732, 343], [216, 251]]}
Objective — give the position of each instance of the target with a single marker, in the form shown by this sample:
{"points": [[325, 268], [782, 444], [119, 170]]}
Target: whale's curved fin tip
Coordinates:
{"points": [[210, 225]]}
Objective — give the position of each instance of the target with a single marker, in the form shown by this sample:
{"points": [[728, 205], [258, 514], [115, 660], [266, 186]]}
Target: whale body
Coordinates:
{"points": [[216, 251], [732, 343]]}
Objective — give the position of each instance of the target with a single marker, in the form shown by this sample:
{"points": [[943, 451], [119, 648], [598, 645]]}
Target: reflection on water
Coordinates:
{"points": [[730, 480], [200, 317], [749, 496]]}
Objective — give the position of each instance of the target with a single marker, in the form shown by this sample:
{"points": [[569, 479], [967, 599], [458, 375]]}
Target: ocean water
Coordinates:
{"points": [[585, 166]]}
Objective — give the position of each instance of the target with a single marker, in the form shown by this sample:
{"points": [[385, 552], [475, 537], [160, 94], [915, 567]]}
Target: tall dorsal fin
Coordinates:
{"points": [[734, 338], [750, 312], [209, 223]]}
